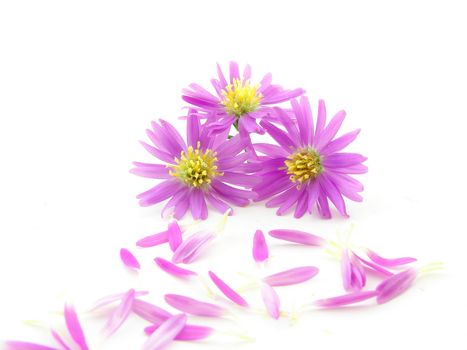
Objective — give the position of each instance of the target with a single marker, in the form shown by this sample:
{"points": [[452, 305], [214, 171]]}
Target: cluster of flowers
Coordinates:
{"points": [[306, 168], [165, 327]]}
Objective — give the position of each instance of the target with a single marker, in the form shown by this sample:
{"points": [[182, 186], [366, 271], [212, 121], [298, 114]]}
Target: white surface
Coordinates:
{"points": [[80, 81]]}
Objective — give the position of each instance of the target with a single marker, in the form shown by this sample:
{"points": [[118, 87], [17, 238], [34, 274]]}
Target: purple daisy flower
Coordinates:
{"points": [[237, 101], [195, 171], [307, 167]]}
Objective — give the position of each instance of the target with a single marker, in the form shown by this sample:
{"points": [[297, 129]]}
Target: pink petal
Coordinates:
{"points": [[353, 274], [153, 240], [59, 340], [74, 327], [150, 312], [227, 291], [113, 298], [389, 262], [346, 299], [174, 235], [166, 333], [292, 276], [271, 300], [129, 259], [374, 267], [395, 285], [192, 247], [121, 313], [173, 269], [194, 307], [188, 333], [260, 248], [298, 237], [21, 345]]}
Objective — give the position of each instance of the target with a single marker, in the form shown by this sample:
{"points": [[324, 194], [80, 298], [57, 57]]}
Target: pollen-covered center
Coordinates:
{"points": [[241, 97], [304, 165], [195, 168]]}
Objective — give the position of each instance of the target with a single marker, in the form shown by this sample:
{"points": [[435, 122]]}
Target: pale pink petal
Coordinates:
{"points": [[299, 237], [74, 327], [271, 300], [174, 234], [173, 269], [389, 262], [227, 291], [188, 333], [150, 312], [353, 274], [121, 313], [166, 333], [21, 345], [113, 298], [59, 340], [193, 306], [346, 299], [192, 247], [129, 259], [260, 248], [395, 285], [374, 267], [292, 276], [153, 240]]}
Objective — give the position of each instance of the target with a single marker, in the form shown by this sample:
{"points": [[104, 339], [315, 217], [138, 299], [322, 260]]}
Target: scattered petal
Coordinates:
{"points": [[166, 333], [173, 269], [192, 247], [59, 340], [21, 345], [299, 237], [388, 262], [74, 327], [353, 273], [150, 312], [374, 267], [292, 276], [260, 248], [271, 300], [188, 333], [346, 299], [113, 298], [395, 285], [194, 307], [153, 240], [129, 259], [121, 313], [174, 234], [227, 291]]}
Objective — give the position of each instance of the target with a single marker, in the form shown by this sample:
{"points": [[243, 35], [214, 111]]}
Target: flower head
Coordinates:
{"points": [[195, 171], [307, 168], [237, 100]]}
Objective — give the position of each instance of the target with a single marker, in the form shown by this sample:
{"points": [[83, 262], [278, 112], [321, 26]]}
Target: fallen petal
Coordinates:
{"points": [[271, 300], [113, 298], [353, 274], [388, 262], [292, 276], [374, 267], [346, 299], [129, 259], [74, 327], [173, 269], [299, 237], [121, 313], [192, 247], [227, 291], [395, 285], [166, 333], [188, 333], [59, 340], [21, 345], [260, 248], [174, 234], [153, 240], [194, 307], [150, 312]]}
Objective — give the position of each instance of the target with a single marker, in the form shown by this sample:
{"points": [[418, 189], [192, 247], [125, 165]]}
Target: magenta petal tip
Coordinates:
{"points": [[228, 291], [129, 259], [260, 247]]}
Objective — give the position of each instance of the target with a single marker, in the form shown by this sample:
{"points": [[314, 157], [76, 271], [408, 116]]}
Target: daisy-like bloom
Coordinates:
{"points": [[237, 100], [195, 171], [307, 167]]}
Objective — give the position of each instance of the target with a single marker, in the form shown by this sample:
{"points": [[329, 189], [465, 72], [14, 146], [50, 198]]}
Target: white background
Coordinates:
{"points": [[79, 83]]}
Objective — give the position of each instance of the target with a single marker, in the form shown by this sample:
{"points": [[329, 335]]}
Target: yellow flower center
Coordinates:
{"points": [[304, 165], [241, 97], [195, 168]]}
